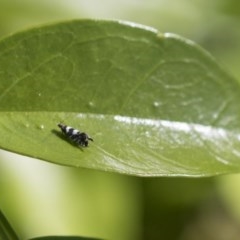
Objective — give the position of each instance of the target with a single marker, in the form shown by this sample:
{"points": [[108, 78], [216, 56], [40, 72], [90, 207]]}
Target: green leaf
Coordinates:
{"points": [[6, 231], [155, 104]]}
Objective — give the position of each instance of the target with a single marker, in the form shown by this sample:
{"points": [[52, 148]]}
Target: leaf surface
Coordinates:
{"points": [[155, 104]]}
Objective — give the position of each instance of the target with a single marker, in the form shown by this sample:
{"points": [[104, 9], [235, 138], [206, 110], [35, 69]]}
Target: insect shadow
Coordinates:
{"points": [[61, 135]]}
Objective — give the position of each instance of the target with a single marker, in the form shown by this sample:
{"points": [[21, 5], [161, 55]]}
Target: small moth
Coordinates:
{"points": [[80, 138]]}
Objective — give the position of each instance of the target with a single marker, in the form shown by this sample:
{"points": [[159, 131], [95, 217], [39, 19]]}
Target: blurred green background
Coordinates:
{"points": [[40, 198]]}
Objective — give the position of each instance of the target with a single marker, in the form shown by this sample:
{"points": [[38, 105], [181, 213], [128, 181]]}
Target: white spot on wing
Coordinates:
{"points": [[68, 128], [75, 131]]}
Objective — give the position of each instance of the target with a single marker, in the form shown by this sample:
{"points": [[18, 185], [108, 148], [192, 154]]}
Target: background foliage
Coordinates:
{"points": [[152, 206]]}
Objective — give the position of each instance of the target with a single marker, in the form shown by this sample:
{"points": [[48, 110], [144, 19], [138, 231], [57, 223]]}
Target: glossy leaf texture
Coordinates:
{"points": [[155, 104]]}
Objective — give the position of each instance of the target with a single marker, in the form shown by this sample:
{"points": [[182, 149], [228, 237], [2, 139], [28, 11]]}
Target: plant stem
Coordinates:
{"points": [[6, 231]]}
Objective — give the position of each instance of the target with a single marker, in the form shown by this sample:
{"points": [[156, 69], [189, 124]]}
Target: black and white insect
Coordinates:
{"points": [[80, 138]]}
